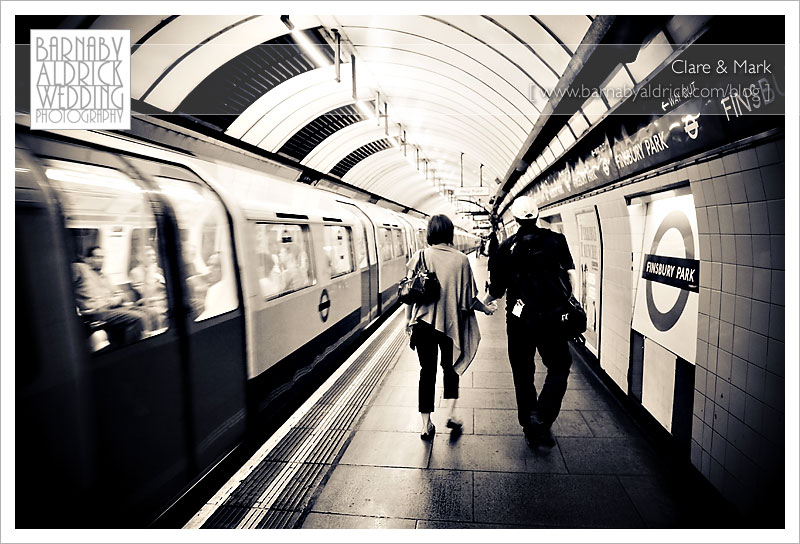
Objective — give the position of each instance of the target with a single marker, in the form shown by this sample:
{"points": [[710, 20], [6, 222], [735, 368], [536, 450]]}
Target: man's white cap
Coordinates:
{"points": [[524, 208]]}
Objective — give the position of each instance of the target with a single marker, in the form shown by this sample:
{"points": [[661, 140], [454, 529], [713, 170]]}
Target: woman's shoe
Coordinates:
{"points": [[454, 423], [428, 434]]}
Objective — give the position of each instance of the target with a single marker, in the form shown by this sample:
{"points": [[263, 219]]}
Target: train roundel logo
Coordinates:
{"points": [[663, 321], [324, 305]]}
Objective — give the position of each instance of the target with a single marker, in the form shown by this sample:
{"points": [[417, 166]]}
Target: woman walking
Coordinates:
{"points": [[447, 325]]}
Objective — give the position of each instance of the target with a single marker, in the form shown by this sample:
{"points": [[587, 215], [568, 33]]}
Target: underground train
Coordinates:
{"points": [[230, 287]]}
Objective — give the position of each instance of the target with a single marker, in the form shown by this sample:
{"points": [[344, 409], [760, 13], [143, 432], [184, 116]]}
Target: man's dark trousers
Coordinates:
{"points": [[524, 338]]}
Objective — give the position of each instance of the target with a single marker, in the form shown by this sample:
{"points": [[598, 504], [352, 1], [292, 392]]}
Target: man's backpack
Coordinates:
{"points": [[543, 285]]}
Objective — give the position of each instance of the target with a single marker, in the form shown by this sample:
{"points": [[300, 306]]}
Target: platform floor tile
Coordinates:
{"points": [[337, 521], [554, 500], [398, 493], [387, 449], [607, 456]]}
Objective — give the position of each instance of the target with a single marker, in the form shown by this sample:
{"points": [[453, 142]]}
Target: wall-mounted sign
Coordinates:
{"points": [[681, 273], [471, 191], [667, 292], [674, 116], [589, 265], [673, 135]]}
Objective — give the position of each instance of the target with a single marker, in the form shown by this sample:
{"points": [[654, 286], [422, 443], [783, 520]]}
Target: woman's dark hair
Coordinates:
{"points": [[440, 230]]}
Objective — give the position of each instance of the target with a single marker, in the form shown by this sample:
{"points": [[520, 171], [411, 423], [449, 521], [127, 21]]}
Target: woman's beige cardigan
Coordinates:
{"points": [[453, 313]]}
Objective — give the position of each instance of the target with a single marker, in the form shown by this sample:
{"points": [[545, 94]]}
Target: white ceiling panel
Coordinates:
{"points": [[510, 96], [407, 82], [454, 84], [353, 137], [139, 26], [533, 34], [174, 40], [570, 29], [194, 68]]}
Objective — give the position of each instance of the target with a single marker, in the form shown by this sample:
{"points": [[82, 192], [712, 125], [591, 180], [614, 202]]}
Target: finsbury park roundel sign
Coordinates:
{"points": [[667, 295], [682, 273]]}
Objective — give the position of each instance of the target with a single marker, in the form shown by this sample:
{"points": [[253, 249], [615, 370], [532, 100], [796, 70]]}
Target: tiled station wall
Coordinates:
{"points": [[738, 413]]}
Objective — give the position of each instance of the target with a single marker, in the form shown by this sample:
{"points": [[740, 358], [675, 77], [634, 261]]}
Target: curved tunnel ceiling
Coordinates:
{"points": [[456, 87]]}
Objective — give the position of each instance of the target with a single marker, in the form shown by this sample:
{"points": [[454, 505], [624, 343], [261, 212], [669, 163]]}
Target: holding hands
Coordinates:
{"points": [[487, 306]]}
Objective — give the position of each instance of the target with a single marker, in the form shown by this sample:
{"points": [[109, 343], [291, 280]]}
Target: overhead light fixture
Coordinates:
{"points": [[308, 47], [365, 111], [92, 180]]}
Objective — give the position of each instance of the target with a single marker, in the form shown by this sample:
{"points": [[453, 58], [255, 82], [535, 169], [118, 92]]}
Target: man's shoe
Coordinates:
{"points": [[530, 436], [539, 435], [545, 439]]}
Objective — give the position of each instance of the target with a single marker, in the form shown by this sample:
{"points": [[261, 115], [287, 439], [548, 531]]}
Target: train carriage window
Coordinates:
{"points": [[399, 243], [338, 250], [81, 240], [206, 247], [360, 243], [421, 236], [147, 280], [103, 208], [385, 236], [282, 252]]}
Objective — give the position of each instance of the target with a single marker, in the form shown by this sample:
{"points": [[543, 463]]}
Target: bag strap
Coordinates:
{"points": [[563, 279], [422, 260]]}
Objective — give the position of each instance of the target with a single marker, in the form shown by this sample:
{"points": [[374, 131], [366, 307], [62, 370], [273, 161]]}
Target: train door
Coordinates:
{"points": [[53, 428], [129, 336], [408, 233], [214, 348], [369, 272]]}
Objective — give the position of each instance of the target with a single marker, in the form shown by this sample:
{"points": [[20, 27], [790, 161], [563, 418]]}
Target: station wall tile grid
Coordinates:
{"points": [[739, 405]]}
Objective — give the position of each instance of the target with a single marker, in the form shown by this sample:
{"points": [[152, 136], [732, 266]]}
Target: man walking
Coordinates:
{"points": [[535, 268]]}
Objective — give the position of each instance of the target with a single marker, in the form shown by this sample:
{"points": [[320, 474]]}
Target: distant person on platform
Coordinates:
{"points": [[492, 244], [532, 267]]}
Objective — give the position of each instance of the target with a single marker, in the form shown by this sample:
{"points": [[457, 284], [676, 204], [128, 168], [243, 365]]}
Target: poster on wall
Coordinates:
{"points": [[589, 266], [667, 295]]}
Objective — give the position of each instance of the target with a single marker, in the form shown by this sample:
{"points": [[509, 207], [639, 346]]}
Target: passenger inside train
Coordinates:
{"points": [[104, 305], [196, 281], [147, 280], [283, 261], [221, 294]]}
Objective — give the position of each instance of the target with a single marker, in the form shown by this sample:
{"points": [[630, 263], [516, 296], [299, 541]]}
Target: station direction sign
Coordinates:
{"points": [[471, 191]]}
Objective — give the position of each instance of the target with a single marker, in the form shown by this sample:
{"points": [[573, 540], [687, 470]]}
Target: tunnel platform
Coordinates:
{"points": [[352, 458]]}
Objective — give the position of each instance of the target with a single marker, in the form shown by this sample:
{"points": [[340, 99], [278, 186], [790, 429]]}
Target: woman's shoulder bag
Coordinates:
{"points": [[420, 287]]}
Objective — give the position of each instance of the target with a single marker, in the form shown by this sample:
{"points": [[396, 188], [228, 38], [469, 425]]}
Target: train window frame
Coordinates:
{"points": [[309, 247], [75, 249], [422, 238], [360, 245], [349, 232], [398, 242], [382, 243], [226, 294], [154, 320]]}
